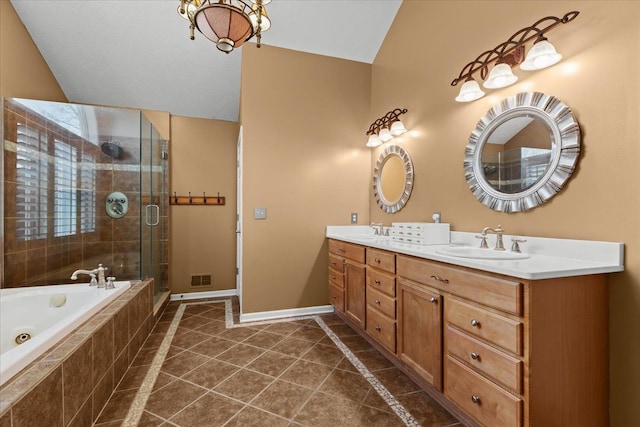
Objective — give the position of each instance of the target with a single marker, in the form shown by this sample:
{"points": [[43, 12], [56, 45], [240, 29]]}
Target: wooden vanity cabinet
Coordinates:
{"points": [[381, 297], [347, 280], [420, 330], [494, 350], [520, 352]]}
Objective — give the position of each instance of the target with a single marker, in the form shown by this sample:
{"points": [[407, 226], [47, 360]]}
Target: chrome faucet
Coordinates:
{"points": [[498, 232], [379, 231], [92, 273]]}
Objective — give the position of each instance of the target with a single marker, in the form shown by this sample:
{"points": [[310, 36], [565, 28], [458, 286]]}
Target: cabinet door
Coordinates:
{"points": [[420, 331], [355, 303]]}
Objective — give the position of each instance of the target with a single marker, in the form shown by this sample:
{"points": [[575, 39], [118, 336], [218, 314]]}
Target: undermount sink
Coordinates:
{"points": [[480, 253], [370, 236]]}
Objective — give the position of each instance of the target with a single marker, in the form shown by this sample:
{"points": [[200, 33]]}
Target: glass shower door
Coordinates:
{"points": [[154, 206]]}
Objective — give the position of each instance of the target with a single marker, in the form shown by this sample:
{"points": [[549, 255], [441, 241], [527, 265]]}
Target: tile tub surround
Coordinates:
{"points": [[549, 258], [70, 384], [298, 372]]}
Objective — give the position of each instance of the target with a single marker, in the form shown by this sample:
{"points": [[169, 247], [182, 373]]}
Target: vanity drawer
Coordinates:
{"points": [[382, 302], [336, 278], [498, 366], [381, 259], [336, 297], [336, 262], [495, 329], [382, 328], [480, 398], [499, 293], [347, 250], [381, 281]]}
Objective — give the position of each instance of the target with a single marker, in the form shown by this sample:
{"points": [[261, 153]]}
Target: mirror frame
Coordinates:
{"points": [[565, 143], [389, 152]]}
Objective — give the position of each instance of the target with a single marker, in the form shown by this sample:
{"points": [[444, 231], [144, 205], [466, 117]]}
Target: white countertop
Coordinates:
{"points": [[548, 258]]}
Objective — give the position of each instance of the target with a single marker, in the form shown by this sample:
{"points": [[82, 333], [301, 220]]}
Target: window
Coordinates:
{"points": [[88, 203], [32, 183], [65, 200]]}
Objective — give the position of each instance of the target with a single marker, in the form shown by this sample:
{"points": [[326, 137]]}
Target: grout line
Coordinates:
{"points": [[139, 402], [397, 407]]}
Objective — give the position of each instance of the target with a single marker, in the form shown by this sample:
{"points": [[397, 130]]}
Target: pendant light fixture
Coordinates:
{"points": [[227, 23], [509, 54]]}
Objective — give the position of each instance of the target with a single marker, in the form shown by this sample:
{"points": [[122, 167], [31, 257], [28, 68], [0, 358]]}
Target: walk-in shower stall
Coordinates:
{"points": [[82, 185]]}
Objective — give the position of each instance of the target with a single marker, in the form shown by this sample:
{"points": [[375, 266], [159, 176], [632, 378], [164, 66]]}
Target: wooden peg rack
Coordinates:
{"points": [[203, 200]]}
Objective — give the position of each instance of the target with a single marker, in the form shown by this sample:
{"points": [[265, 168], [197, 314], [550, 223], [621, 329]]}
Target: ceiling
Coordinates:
{"points": [[137, 54]]}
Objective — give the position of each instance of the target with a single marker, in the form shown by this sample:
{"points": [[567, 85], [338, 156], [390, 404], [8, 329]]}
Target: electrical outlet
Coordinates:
{"points": [[259, 213], [354, 217]]}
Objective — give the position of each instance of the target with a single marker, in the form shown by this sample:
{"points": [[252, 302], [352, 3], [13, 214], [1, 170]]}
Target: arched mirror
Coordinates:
{"points": [[393, 179], [522, 152]]}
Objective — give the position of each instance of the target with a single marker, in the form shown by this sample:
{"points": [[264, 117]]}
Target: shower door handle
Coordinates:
{"points": [[148, 215]]}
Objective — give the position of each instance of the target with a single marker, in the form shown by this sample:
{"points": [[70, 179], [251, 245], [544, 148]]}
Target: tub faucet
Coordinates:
{"points": [[498, 231], [92, 273]]}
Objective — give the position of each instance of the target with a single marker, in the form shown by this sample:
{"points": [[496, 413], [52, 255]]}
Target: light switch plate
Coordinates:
{"points": [[354, 217], [259, 213]]}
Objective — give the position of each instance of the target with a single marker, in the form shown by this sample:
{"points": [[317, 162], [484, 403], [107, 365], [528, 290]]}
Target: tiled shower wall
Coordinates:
{"points": [[44, 258]]}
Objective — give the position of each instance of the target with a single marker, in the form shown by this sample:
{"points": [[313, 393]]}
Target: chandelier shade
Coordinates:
{"points": [[227, 23]]}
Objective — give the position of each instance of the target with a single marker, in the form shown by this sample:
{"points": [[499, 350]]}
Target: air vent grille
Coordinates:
{"points": [[201, 280]]}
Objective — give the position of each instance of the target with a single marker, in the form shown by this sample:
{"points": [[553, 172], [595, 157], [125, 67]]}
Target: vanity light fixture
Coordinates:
{"points": [[509, 54], [386, 128], [227, 23]]}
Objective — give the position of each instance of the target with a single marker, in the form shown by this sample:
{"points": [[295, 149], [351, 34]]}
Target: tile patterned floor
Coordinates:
{"points": [[284, 373]]}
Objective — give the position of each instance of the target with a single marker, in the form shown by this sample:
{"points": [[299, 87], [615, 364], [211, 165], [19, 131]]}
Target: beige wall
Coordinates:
{"points": [[304, 117], [425, 50], [202, 158], [23, 71]]}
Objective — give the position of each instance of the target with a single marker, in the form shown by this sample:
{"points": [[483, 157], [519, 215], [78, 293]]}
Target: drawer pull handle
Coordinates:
{"points": [[341, 251], [433, 300], [333, 277], [378, 328], [334, 297], [475, 356], [475, 323], [377, 282], [377, 261], [475, 399], [440, 279], [378, 302]]}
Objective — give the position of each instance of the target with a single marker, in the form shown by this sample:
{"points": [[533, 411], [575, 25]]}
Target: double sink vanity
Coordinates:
{"points": [[500, 338]]}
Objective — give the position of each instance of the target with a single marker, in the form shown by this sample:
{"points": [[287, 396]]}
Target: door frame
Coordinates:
{"points": [[239, 219]]}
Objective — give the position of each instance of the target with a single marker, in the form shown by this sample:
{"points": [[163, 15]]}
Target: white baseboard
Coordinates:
{"points": [[208, 294], [279, 314]]}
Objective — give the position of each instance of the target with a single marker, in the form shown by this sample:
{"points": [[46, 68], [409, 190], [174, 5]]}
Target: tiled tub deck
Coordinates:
{"points": [[71, 383]]}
